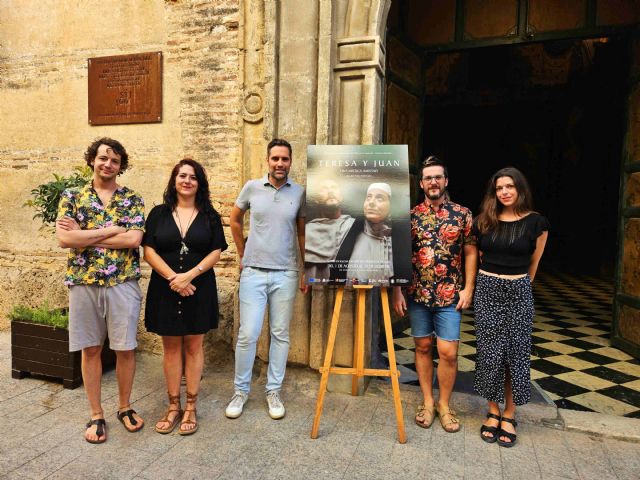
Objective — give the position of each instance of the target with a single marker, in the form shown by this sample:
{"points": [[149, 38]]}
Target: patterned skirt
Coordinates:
{"points": [[503, 319]]}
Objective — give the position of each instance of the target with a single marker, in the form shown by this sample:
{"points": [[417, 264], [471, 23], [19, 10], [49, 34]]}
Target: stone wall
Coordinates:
{"points": [[236, 73], [44, 47]]}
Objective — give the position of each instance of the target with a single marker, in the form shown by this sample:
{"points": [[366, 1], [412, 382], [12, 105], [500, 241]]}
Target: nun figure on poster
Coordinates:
{"points": [[366, 250]]}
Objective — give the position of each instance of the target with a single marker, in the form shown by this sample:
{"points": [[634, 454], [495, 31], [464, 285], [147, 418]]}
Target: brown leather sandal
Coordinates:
{"points": [[449, 421], [173, 401], [424, 416], [189, 412]]}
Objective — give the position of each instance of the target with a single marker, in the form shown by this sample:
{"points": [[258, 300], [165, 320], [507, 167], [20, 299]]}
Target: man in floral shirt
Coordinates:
{"points": [[102, 224], [440, 233]]}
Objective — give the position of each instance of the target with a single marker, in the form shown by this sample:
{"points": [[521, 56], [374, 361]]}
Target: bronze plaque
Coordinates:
{"points": [[125, 89]]}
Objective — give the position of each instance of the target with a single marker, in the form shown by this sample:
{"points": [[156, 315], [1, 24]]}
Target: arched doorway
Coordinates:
{"points": [[546, 89]]}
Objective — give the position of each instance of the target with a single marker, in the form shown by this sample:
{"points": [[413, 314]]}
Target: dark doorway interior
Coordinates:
{"points": [[557, 112]]}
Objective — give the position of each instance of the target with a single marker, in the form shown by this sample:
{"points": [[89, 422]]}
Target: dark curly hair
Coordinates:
{"points": [[92, 152], [203, 200]]}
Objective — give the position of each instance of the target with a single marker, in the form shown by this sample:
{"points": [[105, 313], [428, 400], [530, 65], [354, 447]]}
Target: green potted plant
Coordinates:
{"points": [[40, 345], [40, 336], [46, 197]]}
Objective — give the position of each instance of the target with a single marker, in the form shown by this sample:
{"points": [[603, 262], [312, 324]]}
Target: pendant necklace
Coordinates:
{"points": [[183, 246]]}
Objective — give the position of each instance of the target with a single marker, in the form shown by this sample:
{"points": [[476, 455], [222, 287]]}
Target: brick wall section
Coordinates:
{"points": [[202, 44]]}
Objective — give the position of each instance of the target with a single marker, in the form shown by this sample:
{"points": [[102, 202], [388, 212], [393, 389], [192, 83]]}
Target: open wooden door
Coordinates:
{"points": [[626, 306]]}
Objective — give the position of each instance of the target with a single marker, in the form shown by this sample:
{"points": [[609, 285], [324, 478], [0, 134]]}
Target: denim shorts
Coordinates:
{"points": [[444, 322]]}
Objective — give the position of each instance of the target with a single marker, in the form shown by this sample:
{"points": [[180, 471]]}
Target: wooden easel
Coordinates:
{"points": [[358, 370]]}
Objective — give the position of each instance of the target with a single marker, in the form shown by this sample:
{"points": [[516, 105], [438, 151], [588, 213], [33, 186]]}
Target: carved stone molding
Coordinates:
{"points": [[360, 52], [253, 105]]}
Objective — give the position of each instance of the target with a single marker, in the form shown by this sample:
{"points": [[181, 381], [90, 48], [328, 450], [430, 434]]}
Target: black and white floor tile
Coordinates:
{"points": [[572, 359]]}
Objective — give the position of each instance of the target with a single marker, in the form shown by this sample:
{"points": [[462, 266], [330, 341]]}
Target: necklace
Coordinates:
{"points": [[183, 246]]}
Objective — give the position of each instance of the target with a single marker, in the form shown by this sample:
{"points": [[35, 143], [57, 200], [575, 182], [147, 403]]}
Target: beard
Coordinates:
{"points": [[436, 196]]}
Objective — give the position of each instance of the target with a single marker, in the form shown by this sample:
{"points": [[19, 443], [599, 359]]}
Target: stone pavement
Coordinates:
{"points": [[41, 427]]}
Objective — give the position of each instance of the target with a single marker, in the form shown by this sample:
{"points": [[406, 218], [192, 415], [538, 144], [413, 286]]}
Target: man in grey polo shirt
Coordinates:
{"points": [[269, 272]]}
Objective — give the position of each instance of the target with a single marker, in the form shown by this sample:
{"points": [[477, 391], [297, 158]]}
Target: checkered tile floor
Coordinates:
{"points": [[572, 360]]}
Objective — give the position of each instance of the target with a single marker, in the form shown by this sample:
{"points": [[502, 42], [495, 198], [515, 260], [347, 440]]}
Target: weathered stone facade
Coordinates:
{"points": [[236, 73], [44, 48]]}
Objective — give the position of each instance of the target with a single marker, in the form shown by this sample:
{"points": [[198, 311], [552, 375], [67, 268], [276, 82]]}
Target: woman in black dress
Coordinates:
{"points": [[511, 239], [182, 242]]}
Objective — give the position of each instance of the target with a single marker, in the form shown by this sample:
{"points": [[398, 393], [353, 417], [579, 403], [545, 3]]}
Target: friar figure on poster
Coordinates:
{"points": [[358, 199]]}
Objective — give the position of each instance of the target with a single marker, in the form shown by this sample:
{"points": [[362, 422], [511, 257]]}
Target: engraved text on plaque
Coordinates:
{"points": [[125, 89]]}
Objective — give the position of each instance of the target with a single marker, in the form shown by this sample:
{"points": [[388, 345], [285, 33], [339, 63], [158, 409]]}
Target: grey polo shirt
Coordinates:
{"points": [[272, 241]]}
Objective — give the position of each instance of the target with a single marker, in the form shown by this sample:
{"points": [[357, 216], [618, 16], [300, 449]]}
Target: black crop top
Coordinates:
{"points": [[507, 250]]}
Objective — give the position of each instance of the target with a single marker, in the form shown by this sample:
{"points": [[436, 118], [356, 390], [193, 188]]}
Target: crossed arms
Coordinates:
{"points": [[70, 235]]}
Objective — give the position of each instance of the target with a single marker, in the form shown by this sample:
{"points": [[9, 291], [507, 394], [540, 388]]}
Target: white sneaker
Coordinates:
{"points": [[234, 409], [276, 408]]}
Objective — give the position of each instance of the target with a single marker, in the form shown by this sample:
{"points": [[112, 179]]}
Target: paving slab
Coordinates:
{"points": [[42, 425], [600, 424]]}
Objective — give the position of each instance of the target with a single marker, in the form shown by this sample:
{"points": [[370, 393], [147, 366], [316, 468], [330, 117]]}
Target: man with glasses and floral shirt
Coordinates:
{"points": [[102, 224], [440, 233]]}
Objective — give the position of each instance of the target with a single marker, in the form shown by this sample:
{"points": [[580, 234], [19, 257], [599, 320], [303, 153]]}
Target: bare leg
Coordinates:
{"points": [[125, 371], [509, 407], [92, 377], [447, 370], [194, 356], [172, 365], [424, 367]]}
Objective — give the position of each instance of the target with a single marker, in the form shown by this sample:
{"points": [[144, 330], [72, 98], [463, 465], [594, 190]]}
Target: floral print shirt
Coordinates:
{"points": [[102, 266], [438, 236]]}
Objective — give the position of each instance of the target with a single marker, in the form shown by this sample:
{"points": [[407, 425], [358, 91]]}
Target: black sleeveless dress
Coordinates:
{"points": [[166, 312]]}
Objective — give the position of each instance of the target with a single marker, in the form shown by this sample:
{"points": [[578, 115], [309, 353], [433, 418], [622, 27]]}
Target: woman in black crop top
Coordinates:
{"points": [[511, 239]]}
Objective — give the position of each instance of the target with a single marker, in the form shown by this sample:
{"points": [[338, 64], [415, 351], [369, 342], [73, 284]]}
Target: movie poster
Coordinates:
{"points": [[358, 226]]}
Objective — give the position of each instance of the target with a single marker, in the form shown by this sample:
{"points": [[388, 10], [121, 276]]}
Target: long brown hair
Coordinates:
{"points": [[491, 208], [203, 200]]}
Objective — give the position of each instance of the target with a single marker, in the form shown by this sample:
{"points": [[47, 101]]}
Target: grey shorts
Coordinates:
{"points": [[96, 311]]}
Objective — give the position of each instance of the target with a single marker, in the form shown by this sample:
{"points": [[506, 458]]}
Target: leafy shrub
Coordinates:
{"points": [[46, 196], [44, 314]]}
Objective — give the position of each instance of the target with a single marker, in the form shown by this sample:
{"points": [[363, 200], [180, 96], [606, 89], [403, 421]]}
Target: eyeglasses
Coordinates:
{"points": [[429, 178]]}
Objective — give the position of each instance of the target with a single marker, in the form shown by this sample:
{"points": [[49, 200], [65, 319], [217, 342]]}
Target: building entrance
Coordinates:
{"points": [[556, 110]]}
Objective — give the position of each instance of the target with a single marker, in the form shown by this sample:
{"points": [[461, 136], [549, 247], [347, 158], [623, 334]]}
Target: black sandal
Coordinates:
{"points": [[493, 431], [100, 430], [509, 435], [129, 414]]}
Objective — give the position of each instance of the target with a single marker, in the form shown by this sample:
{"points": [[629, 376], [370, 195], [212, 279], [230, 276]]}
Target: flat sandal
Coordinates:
{"points": [[493, 431], [511, 436], [191, 399], [173, 400], [425, 416], [100, 430], [451, 421]]}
